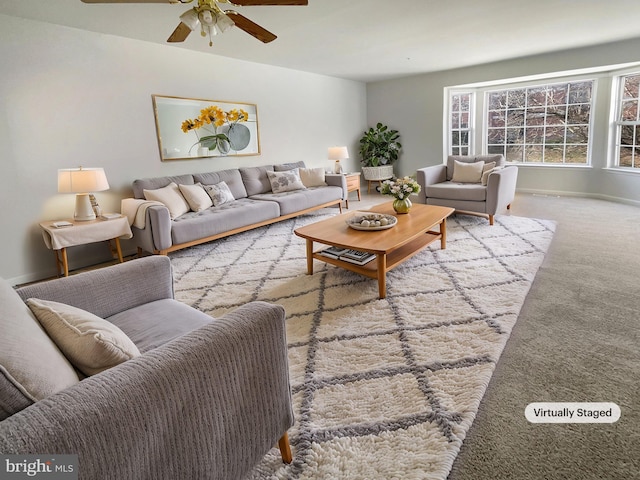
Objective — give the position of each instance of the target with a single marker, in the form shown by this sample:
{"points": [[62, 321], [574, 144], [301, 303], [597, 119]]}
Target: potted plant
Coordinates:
{"points": [[379, 149]]}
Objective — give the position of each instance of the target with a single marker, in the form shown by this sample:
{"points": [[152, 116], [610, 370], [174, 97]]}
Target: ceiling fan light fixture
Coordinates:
{"points": [[190, 19], [207, 17], [224, 23]]}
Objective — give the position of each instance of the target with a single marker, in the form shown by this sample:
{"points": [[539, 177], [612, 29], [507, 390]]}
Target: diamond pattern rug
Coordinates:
{"points": [[382, 389]]}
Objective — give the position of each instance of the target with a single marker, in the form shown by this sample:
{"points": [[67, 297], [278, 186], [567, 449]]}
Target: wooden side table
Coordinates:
{"points": [[353, 185], [82, 233]]}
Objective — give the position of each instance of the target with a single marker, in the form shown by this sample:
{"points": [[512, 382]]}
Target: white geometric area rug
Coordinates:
{"points": [[382, 389]]}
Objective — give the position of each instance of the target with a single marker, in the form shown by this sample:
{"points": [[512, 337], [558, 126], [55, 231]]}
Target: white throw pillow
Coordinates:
{"points": [[312, 177], [196, 197], [467, 172], [90, 343], [485, 175], [171, 197], [220, 193], [285, 181]]}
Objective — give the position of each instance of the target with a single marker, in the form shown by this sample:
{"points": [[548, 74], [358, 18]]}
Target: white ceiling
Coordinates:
{"points": [[367, 40]]}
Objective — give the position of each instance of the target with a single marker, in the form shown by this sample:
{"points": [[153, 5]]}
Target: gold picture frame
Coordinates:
{"points": [[189, 128]]}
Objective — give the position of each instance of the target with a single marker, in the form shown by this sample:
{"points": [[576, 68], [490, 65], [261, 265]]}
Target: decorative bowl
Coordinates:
{"points": [[369, 221]]}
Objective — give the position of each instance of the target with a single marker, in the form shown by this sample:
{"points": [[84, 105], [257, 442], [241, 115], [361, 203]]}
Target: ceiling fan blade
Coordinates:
{"points": [[252, 28], [180, 34], [250, 3]]}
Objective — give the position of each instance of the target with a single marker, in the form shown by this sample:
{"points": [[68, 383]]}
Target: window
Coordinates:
{"points": [[547, 124], [628, 122], [460, 124]]}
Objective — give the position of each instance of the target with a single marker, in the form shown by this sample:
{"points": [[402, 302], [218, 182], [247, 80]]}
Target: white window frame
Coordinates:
{"points": [[470, 130], [534, 85], [617, 124]]}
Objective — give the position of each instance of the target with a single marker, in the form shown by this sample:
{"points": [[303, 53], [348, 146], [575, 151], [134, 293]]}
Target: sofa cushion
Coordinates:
{"points": [[231, 177], [229, 216], [288, 166], [171, 197], [196, 196], [89, 342], [31, 365], [457, 191], [294, 201], [312, 177], [285, 181], [464, 172], [255, 179], [158, 182], [219, 193], [155, 323]]}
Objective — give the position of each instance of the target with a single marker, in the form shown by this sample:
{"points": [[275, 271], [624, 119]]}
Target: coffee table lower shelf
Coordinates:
{"points": [[378, 268]]}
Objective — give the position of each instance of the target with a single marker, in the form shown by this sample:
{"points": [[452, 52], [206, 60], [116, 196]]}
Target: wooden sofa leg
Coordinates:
{"points": [[285, 448], [490, 219]]}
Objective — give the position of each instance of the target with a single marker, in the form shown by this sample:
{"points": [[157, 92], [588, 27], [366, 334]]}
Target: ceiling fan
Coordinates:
{"points": [[213, 19]]}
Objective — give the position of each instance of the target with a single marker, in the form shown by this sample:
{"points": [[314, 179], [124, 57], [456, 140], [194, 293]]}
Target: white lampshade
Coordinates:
{"points": [[338, 153], [82, 181]]}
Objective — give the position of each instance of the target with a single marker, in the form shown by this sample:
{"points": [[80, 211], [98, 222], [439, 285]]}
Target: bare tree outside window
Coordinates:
{"points": [[460, 123], [628, 122], [541, 124]]}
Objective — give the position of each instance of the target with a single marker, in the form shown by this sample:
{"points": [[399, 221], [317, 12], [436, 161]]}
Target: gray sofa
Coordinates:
{"points": [[254, 205], [489, 195], [204, 399]]}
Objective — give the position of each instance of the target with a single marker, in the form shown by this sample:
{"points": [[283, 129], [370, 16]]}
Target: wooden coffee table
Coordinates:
{"points": [[412, 233]]}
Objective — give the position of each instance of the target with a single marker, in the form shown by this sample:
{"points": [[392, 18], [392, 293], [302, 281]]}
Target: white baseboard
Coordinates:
{"points": [[598, 196]]}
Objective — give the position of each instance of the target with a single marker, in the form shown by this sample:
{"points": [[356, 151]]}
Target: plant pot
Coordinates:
{"points": [[383, 172]]}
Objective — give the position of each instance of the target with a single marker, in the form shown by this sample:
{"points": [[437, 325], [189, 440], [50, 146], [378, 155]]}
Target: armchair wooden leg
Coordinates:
{"points": [[509, 207], [490, 219], [285, 448]]}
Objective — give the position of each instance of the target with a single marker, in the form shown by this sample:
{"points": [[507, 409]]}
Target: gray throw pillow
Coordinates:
{"points": [[285, 181], [219, 193]]}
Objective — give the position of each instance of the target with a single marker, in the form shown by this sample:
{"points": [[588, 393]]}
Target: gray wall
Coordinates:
{"points": [[415, 106], [70, 97]]}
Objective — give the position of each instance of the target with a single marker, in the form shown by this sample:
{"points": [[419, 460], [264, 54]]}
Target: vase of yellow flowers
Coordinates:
{"points": [[400, 189], [216, 129]]}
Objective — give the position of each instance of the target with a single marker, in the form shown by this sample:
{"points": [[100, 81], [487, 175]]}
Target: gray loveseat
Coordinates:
{"points": [[204, 399], [254, 204]]}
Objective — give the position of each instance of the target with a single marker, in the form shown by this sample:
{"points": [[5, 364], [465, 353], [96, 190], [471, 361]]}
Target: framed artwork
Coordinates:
{"points": [[190, 128]]}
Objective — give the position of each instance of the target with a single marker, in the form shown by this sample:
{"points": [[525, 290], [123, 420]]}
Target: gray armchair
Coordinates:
{"points": [[205, 399], [491, 195]]}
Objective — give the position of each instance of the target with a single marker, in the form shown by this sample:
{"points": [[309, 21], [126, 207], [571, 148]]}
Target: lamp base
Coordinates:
{"points": [[84, 212], [337, 167]]}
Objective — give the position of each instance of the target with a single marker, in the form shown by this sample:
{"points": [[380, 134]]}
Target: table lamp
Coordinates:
{"points": [[81, 181], [337, 154]]}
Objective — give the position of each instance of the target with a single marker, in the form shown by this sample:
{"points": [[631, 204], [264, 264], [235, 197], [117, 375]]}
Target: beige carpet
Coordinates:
{"points": [[382, 389], [577, 340]]}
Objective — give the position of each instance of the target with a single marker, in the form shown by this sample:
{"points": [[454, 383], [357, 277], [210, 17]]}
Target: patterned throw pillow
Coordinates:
{"points": [[285, 181], [219, 193]]}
